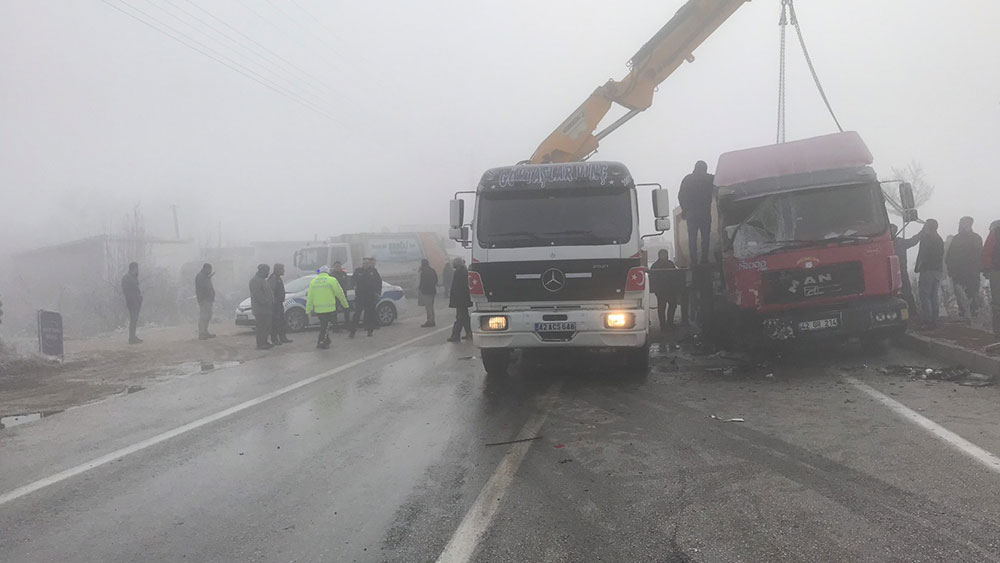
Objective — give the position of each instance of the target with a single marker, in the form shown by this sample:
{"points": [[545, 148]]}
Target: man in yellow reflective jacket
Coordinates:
{"points": [[321, 298]]}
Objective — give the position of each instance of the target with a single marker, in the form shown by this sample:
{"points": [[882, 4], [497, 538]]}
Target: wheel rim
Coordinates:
{"points": [[295, 319], [386, 314]]}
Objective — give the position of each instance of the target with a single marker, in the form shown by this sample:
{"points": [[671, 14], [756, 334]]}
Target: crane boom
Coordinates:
{"points": [[676, 41]]}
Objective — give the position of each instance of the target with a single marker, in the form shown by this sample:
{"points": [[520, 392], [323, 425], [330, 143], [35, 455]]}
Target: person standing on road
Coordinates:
{"points": [[695, 197], [991, 268], [204, 292], [660, 284], [930, 266], [367, 290], [964, 260], [340, 275], [279, 327], [447, 275], [427, 287], [460, 301], [262, 304], [133, 300], [900, 247], [322, 298]]}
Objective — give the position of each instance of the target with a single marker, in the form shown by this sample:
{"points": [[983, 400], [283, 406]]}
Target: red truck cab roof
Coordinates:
{"points": [[829, 152]]}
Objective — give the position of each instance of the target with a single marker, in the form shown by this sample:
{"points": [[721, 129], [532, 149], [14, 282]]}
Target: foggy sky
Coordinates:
{"points": [[100, 113]]}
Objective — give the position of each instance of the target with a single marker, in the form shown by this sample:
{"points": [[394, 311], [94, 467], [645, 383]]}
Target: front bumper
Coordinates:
{"points": [[877, 317], [245, 318], [589, 330]]}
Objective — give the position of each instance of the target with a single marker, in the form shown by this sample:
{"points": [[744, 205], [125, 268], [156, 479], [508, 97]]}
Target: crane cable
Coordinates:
{"points": [[788, 16]]}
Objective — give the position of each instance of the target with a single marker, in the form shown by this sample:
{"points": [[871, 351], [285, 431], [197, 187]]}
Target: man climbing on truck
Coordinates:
{"points": [[695, 197]]}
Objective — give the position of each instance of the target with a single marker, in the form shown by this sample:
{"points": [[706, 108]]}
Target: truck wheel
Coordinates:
{"points": [[296, 319], [386, 313], [495, 361], [637, 358]]}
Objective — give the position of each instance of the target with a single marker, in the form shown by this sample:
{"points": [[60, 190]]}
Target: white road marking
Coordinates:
{"points": [[984, 457], [159, 438], [465, 540]]}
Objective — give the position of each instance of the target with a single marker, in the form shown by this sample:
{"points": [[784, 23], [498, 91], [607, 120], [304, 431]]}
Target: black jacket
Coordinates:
{"points": [[277, 285], [428, 281], [130, 288], [965, 256], [367, 285], [695, 197], [204, 291], [261, 296], [341, 277], [930, 257], [460, 298], [659, 281]]}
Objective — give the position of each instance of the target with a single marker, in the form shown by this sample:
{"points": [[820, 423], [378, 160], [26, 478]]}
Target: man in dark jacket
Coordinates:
{"points": [[930, 267], [460, 301], [964, 260], [427, 289], [900, 247], [204, 292], [338, 273], [367, 290], [695, 197], [663, 287], [262, 303], [133, 300], [279, 328]]}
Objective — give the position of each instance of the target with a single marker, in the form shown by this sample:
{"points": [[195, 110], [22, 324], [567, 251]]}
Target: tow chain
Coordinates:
{"points": [[788, 16]]}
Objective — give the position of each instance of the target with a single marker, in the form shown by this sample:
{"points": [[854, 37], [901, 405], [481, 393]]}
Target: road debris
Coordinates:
{"points": [[514, 441], [567, 460], [955, 374], [713, 417]]}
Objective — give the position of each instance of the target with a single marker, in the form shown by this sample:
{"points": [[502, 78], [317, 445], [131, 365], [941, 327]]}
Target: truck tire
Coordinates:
{"points": [[495, 361], [637, 359]]}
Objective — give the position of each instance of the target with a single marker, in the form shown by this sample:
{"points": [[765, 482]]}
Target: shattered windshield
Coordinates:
{"points": [[843, 213]]}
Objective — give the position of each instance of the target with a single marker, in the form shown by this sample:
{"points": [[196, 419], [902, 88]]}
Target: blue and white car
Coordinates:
{"points": [[389, 308]]}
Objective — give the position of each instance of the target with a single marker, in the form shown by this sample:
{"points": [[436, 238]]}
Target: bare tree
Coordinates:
{"points": [[913, 173]]}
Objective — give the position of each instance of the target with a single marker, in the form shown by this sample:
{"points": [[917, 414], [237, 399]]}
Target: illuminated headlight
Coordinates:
{"points": [[619, 320], [493, 323], [880, 317], [886, 316]]}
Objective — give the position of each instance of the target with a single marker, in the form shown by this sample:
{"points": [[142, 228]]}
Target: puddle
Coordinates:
{"points": [[18, 419]]}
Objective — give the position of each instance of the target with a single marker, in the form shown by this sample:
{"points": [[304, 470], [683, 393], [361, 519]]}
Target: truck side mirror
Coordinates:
{"points": [[910, 215], [456, 212], [663, 224], [661, 206], [906, 199]]}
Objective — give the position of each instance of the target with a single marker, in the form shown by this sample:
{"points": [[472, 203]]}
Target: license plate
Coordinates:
{"points": [[555, 327], [242, 317], [821, 324]]}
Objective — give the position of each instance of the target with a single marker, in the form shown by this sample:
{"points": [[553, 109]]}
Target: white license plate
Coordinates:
{"points": [[242, 317], [820, 324], [555, 327]]}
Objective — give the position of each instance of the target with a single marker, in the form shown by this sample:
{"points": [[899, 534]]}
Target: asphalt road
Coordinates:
{"points": [[376, 451]]}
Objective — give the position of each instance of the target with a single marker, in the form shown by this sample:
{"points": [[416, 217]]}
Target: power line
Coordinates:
{"points": [[225, 61]]}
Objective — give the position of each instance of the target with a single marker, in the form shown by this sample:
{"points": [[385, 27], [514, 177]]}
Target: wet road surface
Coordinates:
{"points": [[376, 451]]}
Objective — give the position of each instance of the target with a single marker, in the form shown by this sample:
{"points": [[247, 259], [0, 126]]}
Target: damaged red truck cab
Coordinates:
{"points": [[805, 242]]}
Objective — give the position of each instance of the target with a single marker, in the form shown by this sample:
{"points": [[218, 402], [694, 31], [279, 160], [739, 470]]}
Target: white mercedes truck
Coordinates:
{"points": [[557, 260]]}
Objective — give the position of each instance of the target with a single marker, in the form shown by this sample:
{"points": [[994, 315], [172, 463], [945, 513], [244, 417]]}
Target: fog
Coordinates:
{"points": [[409, 102]]}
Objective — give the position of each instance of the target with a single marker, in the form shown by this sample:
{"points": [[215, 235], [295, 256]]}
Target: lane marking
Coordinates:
{"points": [[159, 438], [964, 446], [465, 540]]}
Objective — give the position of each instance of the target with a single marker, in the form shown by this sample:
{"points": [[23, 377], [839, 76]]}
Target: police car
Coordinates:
{"points": [[389, 308]]}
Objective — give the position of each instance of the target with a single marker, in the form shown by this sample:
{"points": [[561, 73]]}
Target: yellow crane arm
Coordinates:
{"points": [[676, 41]]}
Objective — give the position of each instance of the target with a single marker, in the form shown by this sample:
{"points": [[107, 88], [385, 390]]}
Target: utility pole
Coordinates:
{"points": [[177, 228]]}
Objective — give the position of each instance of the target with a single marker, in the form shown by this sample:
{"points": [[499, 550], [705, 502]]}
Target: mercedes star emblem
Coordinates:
{"points": [[553, 280]]}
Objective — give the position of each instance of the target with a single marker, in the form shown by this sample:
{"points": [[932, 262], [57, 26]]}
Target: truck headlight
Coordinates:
{"points": [[493, 323], [619, 320]]}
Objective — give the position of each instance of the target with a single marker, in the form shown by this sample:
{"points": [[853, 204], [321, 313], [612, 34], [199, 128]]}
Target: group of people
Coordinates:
{"points": [[967, 260], [456, 288]]}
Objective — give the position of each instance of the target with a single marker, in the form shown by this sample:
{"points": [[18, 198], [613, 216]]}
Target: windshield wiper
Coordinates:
{"points": [[529, 234]]}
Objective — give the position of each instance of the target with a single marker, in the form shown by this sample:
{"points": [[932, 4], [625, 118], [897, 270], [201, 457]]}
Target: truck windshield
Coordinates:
{"points": [[843, 213], [567, 217]]}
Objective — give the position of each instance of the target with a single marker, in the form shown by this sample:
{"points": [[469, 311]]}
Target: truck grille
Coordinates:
{"points": [[791, 286]]}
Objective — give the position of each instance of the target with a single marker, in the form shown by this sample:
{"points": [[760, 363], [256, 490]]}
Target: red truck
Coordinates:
{"points": [[803, 237]]}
